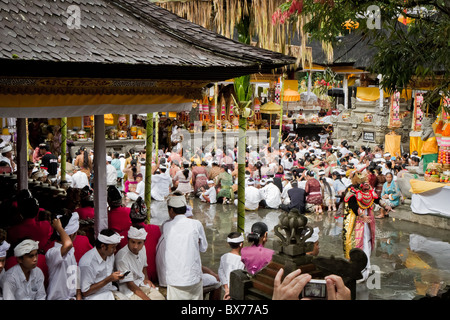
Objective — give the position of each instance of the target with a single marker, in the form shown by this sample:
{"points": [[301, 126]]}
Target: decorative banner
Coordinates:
{"points": [[395, 110], [418, 113], [278, 93]]}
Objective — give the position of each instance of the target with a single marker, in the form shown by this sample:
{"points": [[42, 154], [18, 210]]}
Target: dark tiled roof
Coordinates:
{"points": [[119, 38]]}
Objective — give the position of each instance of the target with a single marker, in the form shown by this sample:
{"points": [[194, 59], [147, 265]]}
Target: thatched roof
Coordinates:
{"points": [[119, 39]]}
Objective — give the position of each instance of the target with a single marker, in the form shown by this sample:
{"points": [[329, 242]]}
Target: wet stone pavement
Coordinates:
{"points": [[409, 259]]}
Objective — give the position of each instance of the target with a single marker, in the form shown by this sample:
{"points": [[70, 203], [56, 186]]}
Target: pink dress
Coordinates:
{"points": [[256, 257]]}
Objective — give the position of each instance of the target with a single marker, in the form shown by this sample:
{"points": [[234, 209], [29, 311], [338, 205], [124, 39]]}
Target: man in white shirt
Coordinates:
{"points": [[79, 178], [62, 264], [253, 196], [271, 194], [161, 184], [24, 281], [184, 240], [111, 173], [140, 189], [97, 268], [133, 258]]}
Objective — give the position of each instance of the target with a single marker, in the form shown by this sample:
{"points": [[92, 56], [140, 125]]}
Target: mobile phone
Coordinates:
{"points": [[315, 289], [126, 273]]}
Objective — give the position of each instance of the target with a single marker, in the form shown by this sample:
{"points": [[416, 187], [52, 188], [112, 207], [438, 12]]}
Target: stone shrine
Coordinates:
{"points": [[291, 254]]}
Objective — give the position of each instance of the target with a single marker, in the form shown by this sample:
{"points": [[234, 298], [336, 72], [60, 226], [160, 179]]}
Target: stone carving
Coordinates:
{"points": [[427, 129], [356, 135], [293, 223]]}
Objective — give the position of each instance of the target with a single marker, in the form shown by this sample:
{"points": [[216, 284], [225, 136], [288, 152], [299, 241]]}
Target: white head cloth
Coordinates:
{"points": [[73, 225], [177, 201], [138, 234], [236, 240], [4, 248], [25, 247], [315, 236], [114, 239]]}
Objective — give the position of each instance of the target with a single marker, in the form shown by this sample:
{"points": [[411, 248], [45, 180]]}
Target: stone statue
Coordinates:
{"points": [[293, 223], [430, 147]]}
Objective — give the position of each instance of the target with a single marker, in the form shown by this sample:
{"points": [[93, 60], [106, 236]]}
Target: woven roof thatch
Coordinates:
{"points": [[119, 39]]}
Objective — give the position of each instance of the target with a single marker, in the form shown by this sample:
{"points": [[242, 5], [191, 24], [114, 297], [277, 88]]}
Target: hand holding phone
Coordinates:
{"points": [[315, 289], [125, 274]]}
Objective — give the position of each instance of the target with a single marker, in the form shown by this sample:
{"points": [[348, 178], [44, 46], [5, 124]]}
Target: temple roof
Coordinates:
{"points": [[119, 39]]}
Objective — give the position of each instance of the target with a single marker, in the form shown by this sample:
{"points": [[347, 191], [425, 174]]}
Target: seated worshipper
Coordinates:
{"points": [[286, 187], [97, 268], [140, 188], [297, 198], [209, 195], [138, 216], [79, 178], [313, 191], [118, 215], [199, 177], [161, 183], [86, 209], [253, 196], [30, 227], [224, 181], [231, 261], [61, 262], [4, 247], [183, 179], [256, 256], [184, 240], [25, 280], [390, 196], [271, 194], [135, 285]]}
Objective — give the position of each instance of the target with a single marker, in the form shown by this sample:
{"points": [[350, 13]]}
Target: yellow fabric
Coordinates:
{"points": [[291, 85], [430, 146], [368, 93], [415, 144], [418, 186], [373, 93], [392, 144], [27, 100], [346, 69]]}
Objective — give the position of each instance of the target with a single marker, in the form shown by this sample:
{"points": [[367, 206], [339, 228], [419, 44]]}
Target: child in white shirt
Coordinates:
{"points": [[231, 261]]}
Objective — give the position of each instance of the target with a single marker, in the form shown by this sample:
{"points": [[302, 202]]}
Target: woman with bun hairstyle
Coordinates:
{"points": [[256, 257]]}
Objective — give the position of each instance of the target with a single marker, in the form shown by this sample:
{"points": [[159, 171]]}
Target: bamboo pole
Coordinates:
{"points": [[148, 164], [241, 169], [216, 97]]}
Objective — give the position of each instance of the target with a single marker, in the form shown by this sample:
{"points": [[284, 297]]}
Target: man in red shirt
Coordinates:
{"points": [[118, 215], [30, 227]]}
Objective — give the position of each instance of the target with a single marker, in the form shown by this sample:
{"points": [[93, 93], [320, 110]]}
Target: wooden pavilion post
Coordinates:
{"points": [[63, 147], [100, 193], [22, 165], [148, 164]]}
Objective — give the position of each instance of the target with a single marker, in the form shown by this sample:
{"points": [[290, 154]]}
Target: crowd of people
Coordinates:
{"points": [[51, 245]]}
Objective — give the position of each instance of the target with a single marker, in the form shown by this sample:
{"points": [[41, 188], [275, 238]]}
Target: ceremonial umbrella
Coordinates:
{"points": [[290, 96], [271, 108]]}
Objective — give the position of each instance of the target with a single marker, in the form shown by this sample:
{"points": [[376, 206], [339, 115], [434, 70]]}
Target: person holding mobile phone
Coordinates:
{"points": [[292, 286], [134, 283], [97, 268]]}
